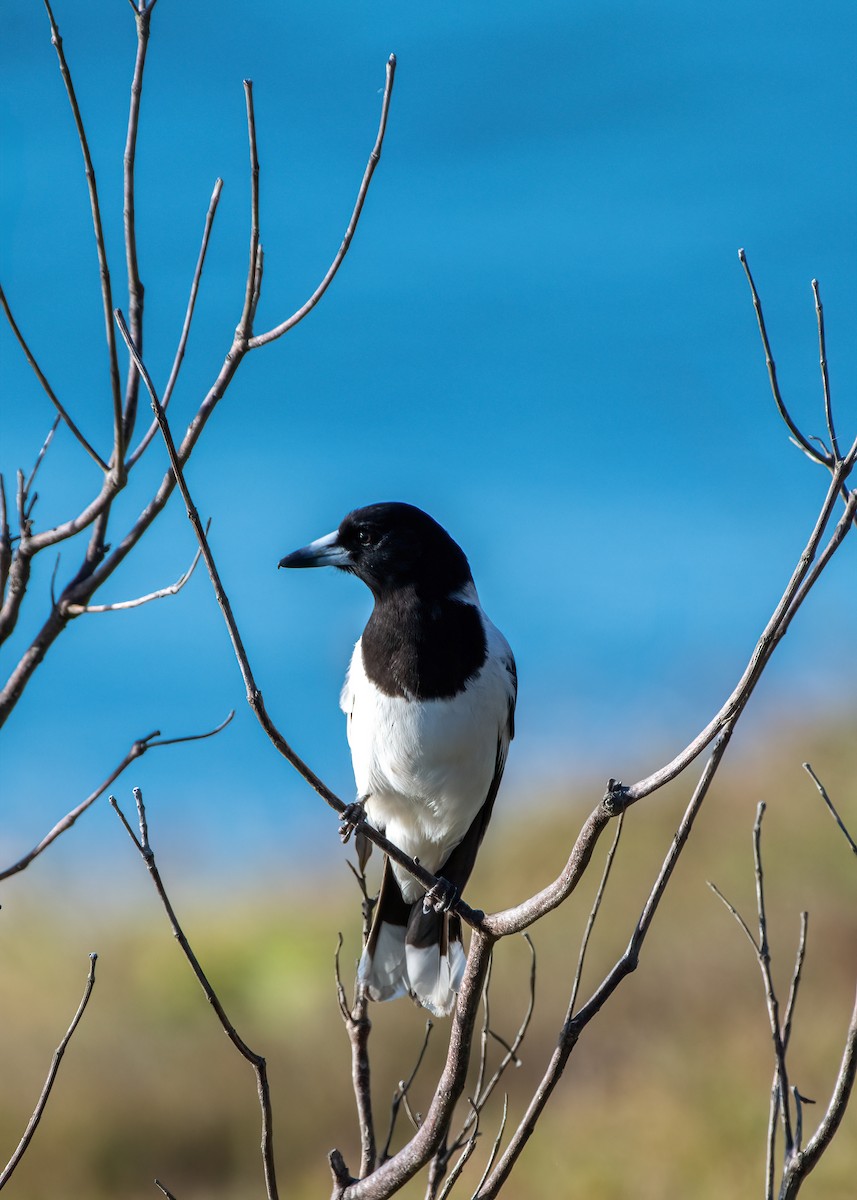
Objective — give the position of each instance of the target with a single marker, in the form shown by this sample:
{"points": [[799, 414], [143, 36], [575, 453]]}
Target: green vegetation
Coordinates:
{"points": [[666, 1096]]}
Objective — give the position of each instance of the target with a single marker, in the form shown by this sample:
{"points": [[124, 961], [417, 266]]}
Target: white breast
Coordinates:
{"points": [[424, 767]]}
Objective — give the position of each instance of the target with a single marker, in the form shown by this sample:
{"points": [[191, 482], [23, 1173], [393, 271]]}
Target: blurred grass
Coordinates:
{"points": [[665, 1096]]}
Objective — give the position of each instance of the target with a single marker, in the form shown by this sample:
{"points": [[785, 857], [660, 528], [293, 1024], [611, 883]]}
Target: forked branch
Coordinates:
{"points": [[374, 158], [137, 751], [798, 1160]]}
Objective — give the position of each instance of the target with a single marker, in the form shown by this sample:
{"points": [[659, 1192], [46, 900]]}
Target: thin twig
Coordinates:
{"points": [[367, 902], [402, 1091], [830, 808], [33, 1123], [5, 541], [798, 1119], [142, 17], [800, 1165], [483, 1093], [771, 1138], [770, 992], [106, 291], [796, 978], [792, 598], [825, 379], [137, 751], [188, 318], [799, 438], [263, 338], [47, 387], [358, 1027], [735, 914], [781, 1092], [77, 610], [843, 527], [45, 444], [495, 1148], [160, 1186], [245, 325], [462, 1159], [256, 1061], [596, 905]]}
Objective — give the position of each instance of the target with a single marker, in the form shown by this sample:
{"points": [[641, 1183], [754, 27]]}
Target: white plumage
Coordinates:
{"points": [[425, 769]]}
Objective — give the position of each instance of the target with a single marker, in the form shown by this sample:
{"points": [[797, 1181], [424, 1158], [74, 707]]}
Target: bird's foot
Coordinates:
{"points": [[352, 816], [441, 897]]}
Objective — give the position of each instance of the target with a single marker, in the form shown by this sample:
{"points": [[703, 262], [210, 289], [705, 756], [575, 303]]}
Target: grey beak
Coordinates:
{"points": [[323, 552]]}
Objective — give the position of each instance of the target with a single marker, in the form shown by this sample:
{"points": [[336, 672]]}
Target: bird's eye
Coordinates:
{"points": [[365, 537]]}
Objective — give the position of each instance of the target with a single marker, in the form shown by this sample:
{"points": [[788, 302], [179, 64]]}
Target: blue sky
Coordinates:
{"points": [[542, 335]]}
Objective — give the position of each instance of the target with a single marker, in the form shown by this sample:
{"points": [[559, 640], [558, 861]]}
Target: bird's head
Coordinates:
{"points": [[390, 546]]}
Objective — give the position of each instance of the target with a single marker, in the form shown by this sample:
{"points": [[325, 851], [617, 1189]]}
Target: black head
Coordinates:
{"points": [[390, 546]]}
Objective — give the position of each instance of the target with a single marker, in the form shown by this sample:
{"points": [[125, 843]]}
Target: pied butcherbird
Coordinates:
{"points": [[430, 700]]}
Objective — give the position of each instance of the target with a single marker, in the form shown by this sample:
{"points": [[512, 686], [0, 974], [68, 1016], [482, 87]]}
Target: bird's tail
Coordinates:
{"points": [[412, 952]]}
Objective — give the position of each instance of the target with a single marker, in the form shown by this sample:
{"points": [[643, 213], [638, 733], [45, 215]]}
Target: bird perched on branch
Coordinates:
{"points": [[430, 701]]}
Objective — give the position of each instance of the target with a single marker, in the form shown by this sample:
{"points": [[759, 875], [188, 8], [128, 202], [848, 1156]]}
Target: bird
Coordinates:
{"points": [[429, 700]]}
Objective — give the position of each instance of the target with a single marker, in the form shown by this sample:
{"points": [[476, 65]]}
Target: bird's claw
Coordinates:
{"points": [[352, 816], [441, 897]]}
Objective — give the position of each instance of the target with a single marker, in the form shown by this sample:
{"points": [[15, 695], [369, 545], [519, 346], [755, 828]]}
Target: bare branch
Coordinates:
{"points": [[575, 1023], [263, 338], [494, 1149], [359, 1027], [802, 442], [251, 295], [142, 17], [106, 291], [33, 1123], [137, 751], [162, 1187], [796, 978], [823, 793], [28, 485], [770, 992], [804, 1161], [511, 1055], [779, 622], [483, 1091], [5, 541], [593, 915], [825, 379], [462, 1160], [843, 526], [256, 1061], [77, 610], [47, 387], [99, 564], [191, 305], [402, 1091], [423, 1145], [734, 911]]}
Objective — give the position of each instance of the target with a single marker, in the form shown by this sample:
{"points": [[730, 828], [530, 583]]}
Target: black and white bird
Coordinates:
{"points": [[430, 702]]}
